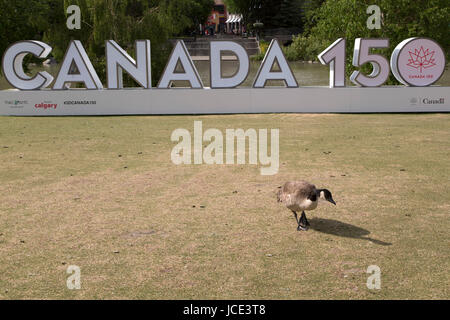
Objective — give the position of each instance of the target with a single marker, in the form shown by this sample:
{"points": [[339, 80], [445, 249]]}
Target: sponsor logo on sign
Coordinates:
{"points": [[414, 101], [79, 102], [46, 105], [420, 101], [16, 103], [433, 101]]}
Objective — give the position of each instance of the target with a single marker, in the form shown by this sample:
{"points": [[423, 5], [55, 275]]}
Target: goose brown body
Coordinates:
{"points": [[299, 195]]}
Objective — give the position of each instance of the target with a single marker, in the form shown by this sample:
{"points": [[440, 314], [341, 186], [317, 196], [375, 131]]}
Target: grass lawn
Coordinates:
{"points": [[102, 193]]}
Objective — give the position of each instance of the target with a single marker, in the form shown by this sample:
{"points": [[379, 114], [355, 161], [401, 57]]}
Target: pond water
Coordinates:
{"points": [[307, 74]]}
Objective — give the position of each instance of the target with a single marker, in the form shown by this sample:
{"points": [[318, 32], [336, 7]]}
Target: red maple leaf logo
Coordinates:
{"points": [[421, 59]]}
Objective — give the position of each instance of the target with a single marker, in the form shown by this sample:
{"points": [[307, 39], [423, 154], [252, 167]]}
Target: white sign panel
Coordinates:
{"points": [[415, 62], [219, 101]]}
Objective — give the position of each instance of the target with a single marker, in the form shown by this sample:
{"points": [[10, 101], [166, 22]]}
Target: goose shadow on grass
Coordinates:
{"points": [[341, 229]]}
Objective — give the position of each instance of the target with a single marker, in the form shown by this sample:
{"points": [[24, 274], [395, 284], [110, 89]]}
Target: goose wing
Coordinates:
{"points": [[298, 190]]}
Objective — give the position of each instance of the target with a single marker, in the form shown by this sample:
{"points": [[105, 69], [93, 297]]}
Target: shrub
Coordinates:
{"points": [[263, 46], [304, 48]]}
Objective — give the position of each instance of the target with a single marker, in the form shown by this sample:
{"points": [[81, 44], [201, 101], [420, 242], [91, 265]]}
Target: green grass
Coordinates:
{"points": [[67, 199]]}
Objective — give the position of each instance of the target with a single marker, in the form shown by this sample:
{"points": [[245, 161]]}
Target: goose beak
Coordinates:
{"points": [[332, 201]]}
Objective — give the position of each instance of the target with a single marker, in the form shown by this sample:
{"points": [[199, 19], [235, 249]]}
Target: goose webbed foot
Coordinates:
{"points": [[303, 224]]}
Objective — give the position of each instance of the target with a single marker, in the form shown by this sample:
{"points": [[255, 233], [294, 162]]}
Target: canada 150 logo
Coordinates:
{"points": [[421, 59], [418, 62]]}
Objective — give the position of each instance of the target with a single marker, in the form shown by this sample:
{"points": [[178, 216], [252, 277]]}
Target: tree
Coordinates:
{"points": [[273, 13], [289, 14], [308, 9], [401, 19], [244, 7], [183, 16], [121, 20], [17, 22]]}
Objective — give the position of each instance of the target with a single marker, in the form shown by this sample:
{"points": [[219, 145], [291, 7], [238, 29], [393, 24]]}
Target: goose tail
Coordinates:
{"points": [[279, 196]]}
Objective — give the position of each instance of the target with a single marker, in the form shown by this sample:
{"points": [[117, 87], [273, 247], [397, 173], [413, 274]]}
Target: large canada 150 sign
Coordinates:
{"points": [[414, 62]]}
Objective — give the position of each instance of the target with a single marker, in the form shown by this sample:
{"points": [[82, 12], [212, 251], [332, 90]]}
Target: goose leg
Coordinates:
{"points": [[299, 228], [303, 223], [299, 222], [295, 215], [306, 220]]}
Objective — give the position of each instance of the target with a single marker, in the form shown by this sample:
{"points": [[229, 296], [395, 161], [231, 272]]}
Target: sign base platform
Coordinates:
{"points": [[82, 102]]}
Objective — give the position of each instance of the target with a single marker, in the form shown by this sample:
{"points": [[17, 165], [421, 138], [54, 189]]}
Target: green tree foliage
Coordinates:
{"points": [[308, 9], [273, 13], [183, 16], [401, 19], [121, 20], [289, 14], [18, 22], [248, 8]]}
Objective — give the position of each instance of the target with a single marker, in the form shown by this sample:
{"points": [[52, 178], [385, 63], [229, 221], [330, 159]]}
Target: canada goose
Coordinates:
{"points": [[302, 196]]}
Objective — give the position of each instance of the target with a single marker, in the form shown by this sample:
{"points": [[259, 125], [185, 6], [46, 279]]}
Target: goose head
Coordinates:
{"points": [[326, 195]]}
